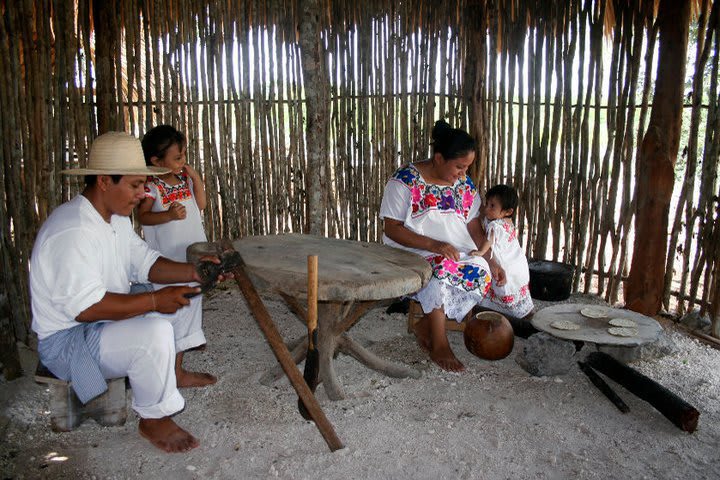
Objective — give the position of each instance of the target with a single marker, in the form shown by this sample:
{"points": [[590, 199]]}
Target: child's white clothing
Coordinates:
{"points": [[513, 298], [172, 238]]}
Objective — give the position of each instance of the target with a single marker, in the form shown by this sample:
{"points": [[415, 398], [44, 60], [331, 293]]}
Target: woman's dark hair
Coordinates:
{"points": [[506, 194], [157, 141], [451, 142], [91, 180]]}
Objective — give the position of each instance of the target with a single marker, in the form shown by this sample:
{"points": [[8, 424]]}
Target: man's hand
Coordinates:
{"points": [[171, 299], [200, 275], [211, 270]]}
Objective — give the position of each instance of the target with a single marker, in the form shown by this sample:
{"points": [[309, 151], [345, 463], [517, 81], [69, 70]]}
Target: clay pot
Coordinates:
{"points": [[489, 335]]}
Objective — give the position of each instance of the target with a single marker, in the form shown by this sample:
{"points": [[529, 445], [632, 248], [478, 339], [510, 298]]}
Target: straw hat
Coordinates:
{"points": [[116, 153]]}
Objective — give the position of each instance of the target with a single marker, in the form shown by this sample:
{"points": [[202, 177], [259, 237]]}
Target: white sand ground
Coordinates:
{"points": [[494, 421]]}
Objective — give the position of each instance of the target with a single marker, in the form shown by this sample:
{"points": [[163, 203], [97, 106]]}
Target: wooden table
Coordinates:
{"points": [[353, 277], [595, 330]]}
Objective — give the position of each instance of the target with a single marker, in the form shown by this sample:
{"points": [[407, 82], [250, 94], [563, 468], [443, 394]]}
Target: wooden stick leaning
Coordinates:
{"points": [[284, 358]]}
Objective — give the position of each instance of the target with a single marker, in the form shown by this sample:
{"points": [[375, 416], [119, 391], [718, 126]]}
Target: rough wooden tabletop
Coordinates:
{"points": [[348, 270]]}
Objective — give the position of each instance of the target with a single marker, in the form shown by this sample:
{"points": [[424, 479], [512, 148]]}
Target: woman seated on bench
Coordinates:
{"points": [[432, 208]]}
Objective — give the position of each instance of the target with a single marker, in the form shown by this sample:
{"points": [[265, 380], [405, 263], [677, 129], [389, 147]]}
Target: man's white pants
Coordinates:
{"points": [[143, 349]]}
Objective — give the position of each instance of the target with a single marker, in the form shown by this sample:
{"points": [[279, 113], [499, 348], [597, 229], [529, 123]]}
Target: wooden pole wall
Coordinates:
{"points": [[557, 93]]}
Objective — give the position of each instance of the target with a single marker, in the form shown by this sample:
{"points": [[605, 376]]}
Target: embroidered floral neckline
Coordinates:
{"points": [[425, 196]]}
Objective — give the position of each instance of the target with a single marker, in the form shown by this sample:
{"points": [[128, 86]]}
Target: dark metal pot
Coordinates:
{"points": [[550, 281]]}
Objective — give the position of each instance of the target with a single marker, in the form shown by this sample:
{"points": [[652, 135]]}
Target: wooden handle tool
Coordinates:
{"points": [[312, 359], [283, 355]]}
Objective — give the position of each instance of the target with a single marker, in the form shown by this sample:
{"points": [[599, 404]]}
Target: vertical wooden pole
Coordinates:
{"points": [[106, 47], [475, 95], [655, 177], [316, 86]]}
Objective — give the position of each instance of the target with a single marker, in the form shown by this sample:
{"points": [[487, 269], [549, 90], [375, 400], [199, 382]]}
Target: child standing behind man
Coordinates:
{"points": [[170, 211], [513, 298]]}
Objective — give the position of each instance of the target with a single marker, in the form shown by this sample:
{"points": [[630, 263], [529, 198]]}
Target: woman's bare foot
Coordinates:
{"points": [[166, 435], [436, 344], [446, 359], [187, 379]]}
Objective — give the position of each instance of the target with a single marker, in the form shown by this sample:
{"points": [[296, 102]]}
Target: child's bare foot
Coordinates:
{"points": [[166, 435], [187, 379], [446, 359]]}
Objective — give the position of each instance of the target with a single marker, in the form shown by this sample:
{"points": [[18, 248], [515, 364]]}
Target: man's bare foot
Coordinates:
{"points": [[166, 435], [446, 359], [187, 379]]}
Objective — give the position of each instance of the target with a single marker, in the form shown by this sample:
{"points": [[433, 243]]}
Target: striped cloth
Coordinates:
{"points": [[72, 355]]}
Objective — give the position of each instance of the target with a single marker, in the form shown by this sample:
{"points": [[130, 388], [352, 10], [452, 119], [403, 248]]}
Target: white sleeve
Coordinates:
{"points": [[142, 257], [396, 201], [69, 267], [151, 190]]}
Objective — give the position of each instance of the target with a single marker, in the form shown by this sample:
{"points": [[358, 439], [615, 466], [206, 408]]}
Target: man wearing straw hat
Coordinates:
{"points": [[90, 327]]}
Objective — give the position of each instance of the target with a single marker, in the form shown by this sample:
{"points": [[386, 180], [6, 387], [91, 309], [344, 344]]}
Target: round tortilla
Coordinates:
{"points": [[623, 322], [565, 325], [623, 331], [594, 312]]}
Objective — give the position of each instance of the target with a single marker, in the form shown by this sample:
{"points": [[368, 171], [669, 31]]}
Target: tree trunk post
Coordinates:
{"points": [[316, 86], [655, 172]]}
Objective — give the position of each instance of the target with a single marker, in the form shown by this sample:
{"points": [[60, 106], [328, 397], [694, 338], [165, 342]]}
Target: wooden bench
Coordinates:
{"points": [[415, 313], [66, 410]]}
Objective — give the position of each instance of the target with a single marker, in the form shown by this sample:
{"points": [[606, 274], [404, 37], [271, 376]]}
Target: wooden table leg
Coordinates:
{"points": [[328, 315], [333, 320], [366, 357]]}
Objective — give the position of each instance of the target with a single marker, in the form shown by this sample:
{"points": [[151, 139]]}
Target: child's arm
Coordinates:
{"points": [[477, 233], [479, 238], [148, 217], [198, 187]]}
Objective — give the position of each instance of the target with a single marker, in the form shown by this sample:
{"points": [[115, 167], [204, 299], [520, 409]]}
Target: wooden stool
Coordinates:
{"points": [[66, 410], [415, 313]]}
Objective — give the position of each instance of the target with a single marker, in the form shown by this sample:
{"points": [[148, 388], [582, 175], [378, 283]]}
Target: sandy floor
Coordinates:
{"points": [[494, 421]]}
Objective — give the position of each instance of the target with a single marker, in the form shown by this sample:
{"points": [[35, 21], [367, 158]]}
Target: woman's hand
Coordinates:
{"points": [[447, 251]]}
